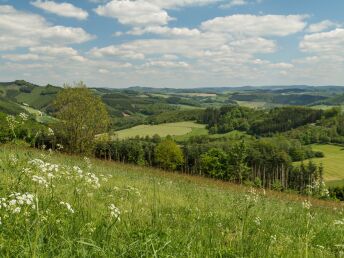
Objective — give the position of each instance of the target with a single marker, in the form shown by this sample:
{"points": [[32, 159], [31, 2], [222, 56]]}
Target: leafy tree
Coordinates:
{"points": [[214, 163], [169, 155], [82, 116]]}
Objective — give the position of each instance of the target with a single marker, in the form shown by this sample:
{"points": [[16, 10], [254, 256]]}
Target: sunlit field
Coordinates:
{"points": [[333, 162], [173, 129], [58, 205]]}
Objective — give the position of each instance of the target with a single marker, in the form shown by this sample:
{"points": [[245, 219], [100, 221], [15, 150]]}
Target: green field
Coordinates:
{"points": [[163, 130], [128, 211], [333, 163]]}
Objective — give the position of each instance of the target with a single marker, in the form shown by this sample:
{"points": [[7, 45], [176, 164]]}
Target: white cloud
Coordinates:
{"points": [[321, 26], [21, 29], [54, 51], [234, 3], [61, 9], [136, 13], [21, 58], [167, 4], [166, 31], [264, 25], [167, 64], [120, 51], [330, 43]]}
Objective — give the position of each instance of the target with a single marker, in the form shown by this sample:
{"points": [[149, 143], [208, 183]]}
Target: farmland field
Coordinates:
{"points": [[333, 162], [173, 129], [121, 210]]}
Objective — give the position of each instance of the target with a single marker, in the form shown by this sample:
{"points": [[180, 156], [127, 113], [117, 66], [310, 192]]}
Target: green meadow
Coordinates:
{"points": [[56, 205], [163, 130]]}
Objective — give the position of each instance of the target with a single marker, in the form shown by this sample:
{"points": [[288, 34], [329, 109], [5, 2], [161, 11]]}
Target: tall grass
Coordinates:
{"points": [[74, 207]]}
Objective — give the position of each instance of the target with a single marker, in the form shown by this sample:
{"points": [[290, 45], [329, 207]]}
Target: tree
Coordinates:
{"points": [[169, 155], [82, 116]]}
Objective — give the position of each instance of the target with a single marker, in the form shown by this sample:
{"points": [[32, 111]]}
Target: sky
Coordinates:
{"points": [[173, 43]]}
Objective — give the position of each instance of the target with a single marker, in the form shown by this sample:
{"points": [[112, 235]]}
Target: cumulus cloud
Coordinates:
{"points": [[321, 26], [259, 25], [166, 31], [330, 42], [61, 9], [234, 3], [137, 13], [21, 29]]}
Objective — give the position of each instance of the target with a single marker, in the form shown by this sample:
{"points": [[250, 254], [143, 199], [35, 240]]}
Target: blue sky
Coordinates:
{"points": [[173, 43]]}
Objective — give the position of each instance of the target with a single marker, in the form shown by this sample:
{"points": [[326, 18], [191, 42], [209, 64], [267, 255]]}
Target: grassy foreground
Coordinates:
{"points": [[58, 205]]}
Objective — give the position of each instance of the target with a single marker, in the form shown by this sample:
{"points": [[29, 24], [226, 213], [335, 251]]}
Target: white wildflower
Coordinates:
{"points": [[339, 222], [114, 212], [306, 204], [68, 206], [23, 116], [257, 221], [50, 132]]}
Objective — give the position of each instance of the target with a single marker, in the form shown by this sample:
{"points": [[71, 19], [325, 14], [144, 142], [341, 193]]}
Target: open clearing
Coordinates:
{"points": [[163, 130], [333, 162]]}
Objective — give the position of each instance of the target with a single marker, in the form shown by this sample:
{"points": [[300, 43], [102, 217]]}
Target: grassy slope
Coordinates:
{"points": [[333, 162], [173, 129], [170, 215]]}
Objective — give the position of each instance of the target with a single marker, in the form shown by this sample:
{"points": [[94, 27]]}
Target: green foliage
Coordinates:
{"points": [[169, 155], [81, 116], [140, 212]]}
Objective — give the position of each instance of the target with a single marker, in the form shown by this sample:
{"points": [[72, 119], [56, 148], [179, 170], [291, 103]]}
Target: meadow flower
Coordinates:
{"points": [[306, 204], [40, 180], [68, 206], [257, 221], [23, 116], [339, 222], [50, 132], [114, 212]]}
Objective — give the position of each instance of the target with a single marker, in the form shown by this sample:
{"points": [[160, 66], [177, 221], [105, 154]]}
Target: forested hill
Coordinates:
{"points": [[139, 105]]}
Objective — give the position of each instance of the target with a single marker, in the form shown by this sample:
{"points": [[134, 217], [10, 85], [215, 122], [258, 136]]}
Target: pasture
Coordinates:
{"points": [[57, 205], [163, 130], [333, 162]]}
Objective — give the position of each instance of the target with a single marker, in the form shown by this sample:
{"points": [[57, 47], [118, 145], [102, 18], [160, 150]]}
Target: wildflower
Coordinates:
{"points": [[68, 206], [339, 222], [40, 180], [59, 146], [50, 132], [114, 212], [257, 221], [273, 238], [23, 116], [16, 210], [306, 204]]}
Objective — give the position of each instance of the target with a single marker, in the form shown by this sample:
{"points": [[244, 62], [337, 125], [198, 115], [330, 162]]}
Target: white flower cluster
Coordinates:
{"points": [[252, 195], [90, 178], [339, 222], [306, 204], [318, 188], [16, 202], [40, 180], [11, 121], [23, 116], [68, 206], [50, 132], [45, 171], [114, 212], [257, 220]]}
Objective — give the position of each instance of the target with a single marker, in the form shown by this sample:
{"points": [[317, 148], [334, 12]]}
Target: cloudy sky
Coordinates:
{"points": [[173, 43]]}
